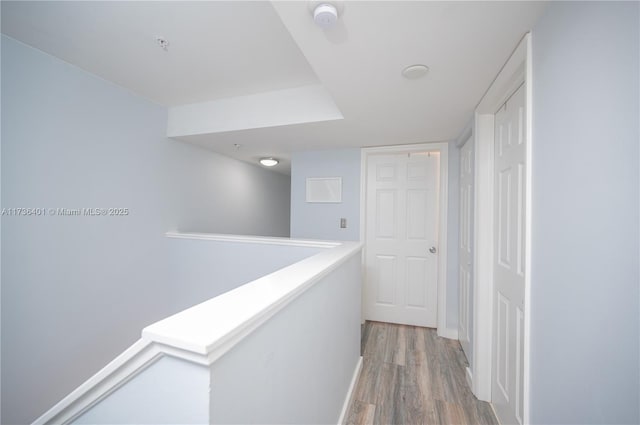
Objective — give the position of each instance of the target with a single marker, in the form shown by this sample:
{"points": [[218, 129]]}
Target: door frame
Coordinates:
{"points": [[516, 71], [443, 149]]}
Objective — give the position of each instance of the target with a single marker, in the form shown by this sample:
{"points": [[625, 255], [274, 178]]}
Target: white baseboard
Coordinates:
{"points": [[352, 387], [450, 333], [469, 377]]}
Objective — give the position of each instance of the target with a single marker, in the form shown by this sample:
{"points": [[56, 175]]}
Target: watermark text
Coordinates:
{"points": [[64, 212]]}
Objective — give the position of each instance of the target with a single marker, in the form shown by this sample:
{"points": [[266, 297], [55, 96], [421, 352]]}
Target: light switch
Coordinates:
{"points": [[343, 223]]}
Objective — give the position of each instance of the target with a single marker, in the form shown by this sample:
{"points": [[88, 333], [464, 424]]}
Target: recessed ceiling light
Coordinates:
{"points": [[325, 15], [415, 71], [269, 162]]}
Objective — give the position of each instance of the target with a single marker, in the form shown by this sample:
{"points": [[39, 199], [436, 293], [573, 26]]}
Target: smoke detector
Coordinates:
{"points": [[163, 43], [325, 15]]}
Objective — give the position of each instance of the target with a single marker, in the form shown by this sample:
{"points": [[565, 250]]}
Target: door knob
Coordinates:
{"points": [[432, 250]]}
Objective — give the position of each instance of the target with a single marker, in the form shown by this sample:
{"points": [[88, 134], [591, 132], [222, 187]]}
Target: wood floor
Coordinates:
{"points": [[412, 376]]}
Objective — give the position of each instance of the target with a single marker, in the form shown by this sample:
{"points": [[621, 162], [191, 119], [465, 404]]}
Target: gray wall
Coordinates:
{"points": [[322, 221], [584, 278], [201, 269], [76, 291]]}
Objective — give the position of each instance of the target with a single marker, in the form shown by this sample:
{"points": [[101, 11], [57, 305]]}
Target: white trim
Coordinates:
{"points": [[114, 375], [349, 397], [469, 375], [527, 231], [443, 235], [449, 333], [443, 148], [508, 79], [465, 135], [517, 70], [483, 257], [120, 370], [240, 311], [265, 240], [363, 218]]}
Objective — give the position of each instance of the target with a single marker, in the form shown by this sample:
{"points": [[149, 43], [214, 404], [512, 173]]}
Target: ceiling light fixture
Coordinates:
{"points": [[325, 15], [269, 162], [415, 71]]}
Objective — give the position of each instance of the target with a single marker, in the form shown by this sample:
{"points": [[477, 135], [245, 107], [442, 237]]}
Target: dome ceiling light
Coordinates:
{"points": [[269, 162], [413, 72]]}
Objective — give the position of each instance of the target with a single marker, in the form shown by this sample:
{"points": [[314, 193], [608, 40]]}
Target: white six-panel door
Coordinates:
{"points": [[465, 247], [509, 260], [402, 238]]}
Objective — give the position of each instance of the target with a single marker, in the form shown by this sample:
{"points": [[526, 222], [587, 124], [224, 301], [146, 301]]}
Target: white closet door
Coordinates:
{"points": [[509, 258]]}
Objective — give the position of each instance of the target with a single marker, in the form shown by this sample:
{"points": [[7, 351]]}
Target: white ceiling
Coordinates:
{"points": [[217, 49], [228, 49]]}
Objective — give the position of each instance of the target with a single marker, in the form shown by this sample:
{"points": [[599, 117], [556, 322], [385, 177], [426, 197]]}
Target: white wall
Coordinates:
{"points": [[298, 105], [585, 278], [170, 391], [297, 367], [77, 290], [322, 221]]}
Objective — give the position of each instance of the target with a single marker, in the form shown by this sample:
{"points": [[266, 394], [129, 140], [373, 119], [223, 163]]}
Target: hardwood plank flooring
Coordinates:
{"points": [[411, 376]]}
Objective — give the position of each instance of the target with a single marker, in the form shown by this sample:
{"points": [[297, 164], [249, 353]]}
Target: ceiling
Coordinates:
{"points": [[222, 50]]}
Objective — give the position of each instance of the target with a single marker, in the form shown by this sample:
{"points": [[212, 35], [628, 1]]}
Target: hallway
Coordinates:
{"points": [[412, 376]]}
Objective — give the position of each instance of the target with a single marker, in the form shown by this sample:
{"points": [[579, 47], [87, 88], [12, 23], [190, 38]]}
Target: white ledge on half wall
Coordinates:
{"points": [[299, 105], [266, 240], [213, 327]]}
